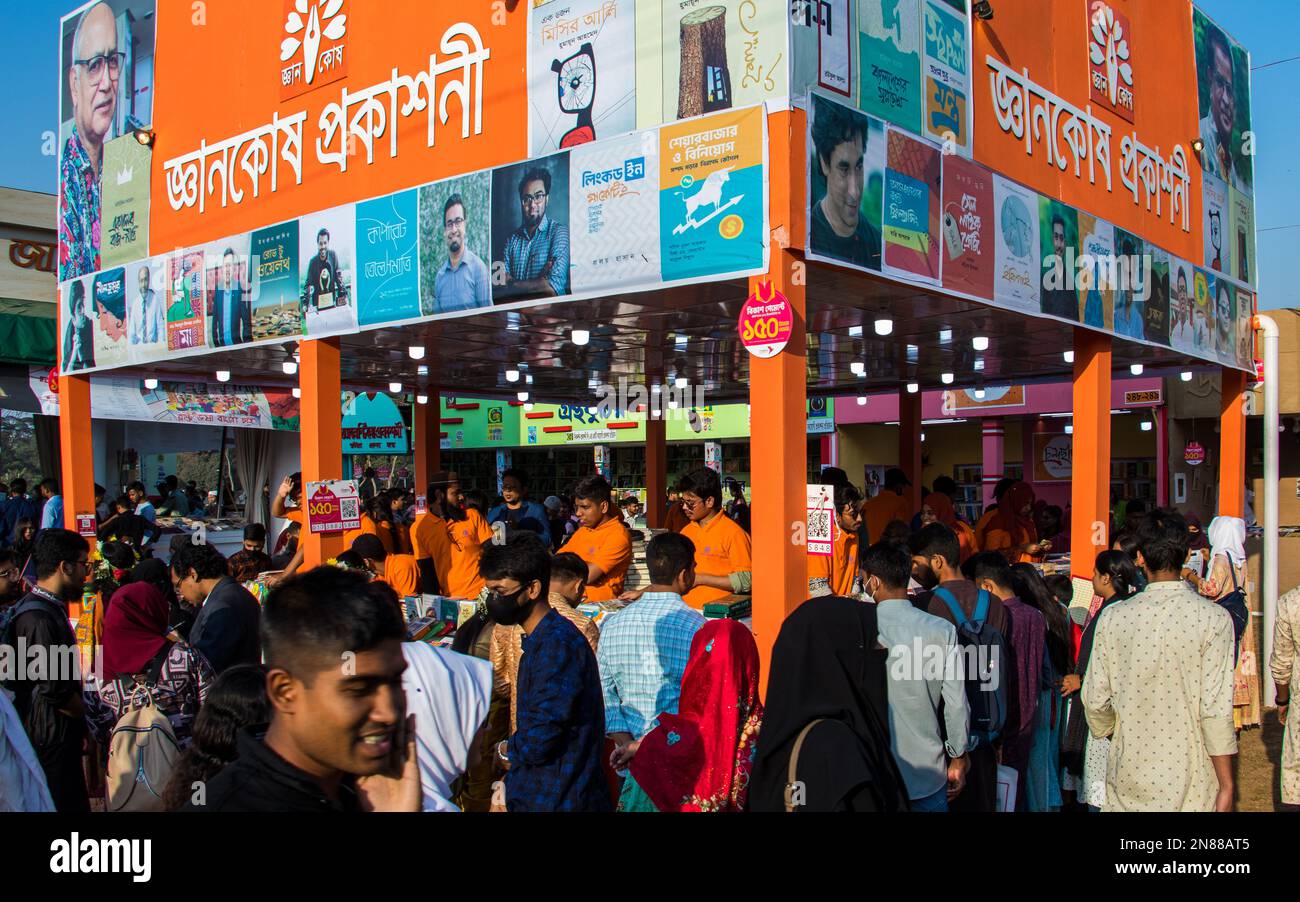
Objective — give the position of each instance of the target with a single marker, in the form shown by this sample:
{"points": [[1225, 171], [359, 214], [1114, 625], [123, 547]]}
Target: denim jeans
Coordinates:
{"points": [[932, 804]]}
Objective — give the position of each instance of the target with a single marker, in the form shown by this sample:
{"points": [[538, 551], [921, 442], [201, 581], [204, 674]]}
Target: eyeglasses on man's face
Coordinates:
{"points": [[533, 199], [453, 224], [96, 64]]}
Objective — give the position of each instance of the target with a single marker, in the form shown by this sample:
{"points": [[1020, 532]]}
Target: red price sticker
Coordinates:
{"points": [[766, 322]]}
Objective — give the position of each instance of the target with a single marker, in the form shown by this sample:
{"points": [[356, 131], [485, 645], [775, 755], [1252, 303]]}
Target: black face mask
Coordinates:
{"points": [[505, 609]]}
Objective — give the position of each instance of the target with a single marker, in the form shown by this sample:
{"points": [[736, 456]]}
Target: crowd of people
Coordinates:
{"points": [[931, 666]]}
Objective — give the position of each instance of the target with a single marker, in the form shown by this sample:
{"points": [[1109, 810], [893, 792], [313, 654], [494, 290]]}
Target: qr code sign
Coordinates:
{"points": [[819, 526], [350, 509]]}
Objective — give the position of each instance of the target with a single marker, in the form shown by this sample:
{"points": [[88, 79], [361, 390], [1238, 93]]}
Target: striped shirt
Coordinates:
{"points": [[526, 257]]}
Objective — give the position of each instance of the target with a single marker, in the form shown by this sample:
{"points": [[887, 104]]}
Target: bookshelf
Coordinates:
{"points": [[1133, 477], [970, 488]]}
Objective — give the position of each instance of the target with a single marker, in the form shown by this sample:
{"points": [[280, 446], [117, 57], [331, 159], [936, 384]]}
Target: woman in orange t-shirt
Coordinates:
{"points": [[937, 508]]}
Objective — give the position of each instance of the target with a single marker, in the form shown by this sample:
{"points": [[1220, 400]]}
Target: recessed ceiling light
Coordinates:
{"points": [[858, 368], [681, 382], [580, 336], [522, 396], [1185, 375], [946, 378], [862, 400], [884, 326], [980, 342], [945, 336], [395, 387], [416, 352], [913, 388], [421, 399], [297, 392], [151, 384], [1069, 356], [1136, 369], [223, 375]]}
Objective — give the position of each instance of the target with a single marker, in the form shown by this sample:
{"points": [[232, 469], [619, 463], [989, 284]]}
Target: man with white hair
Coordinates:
{"points": [[93, 74]]}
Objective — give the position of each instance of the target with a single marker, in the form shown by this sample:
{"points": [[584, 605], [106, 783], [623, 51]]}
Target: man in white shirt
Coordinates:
{"points": [[146, 322], [925, 669], [1217, 126]]}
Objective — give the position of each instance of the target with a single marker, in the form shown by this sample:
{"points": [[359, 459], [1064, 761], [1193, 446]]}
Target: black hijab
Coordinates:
{"points": [[827, 663]]}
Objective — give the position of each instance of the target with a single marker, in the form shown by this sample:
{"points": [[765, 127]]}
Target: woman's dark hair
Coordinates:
{"points": [[1128, 543], [1061, 586], [1121, 570], [155, 573], [1033, 591], [23, 523], [236, 700]]}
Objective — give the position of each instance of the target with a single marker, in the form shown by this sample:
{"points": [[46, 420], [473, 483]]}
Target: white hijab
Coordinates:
{"points": [[22, 781], [1228, 537], [449, 694]]}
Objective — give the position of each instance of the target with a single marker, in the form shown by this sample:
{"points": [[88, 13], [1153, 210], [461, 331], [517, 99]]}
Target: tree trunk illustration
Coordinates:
{"points": [[705, 82]]}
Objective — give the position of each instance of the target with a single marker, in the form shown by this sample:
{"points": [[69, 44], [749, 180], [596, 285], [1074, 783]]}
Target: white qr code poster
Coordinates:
{"points": [[333, 506], [821, 519]]}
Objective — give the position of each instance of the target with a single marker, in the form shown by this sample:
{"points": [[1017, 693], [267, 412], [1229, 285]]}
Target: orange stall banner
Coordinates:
{"points": [[234, 106], [1032, 64]]}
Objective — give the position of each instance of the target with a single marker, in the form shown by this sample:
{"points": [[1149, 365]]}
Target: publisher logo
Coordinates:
{"points": [[313, 51]]}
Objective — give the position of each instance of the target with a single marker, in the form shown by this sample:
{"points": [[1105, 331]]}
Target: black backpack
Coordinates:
{"points": [[983, 648]]}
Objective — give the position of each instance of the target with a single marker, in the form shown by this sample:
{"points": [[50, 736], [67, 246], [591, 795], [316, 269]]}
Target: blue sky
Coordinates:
{"points": [[1270, 29]]}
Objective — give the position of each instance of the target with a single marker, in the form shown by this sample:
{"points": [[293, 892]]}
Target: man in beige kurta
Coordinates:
{"points": [[1159, 684], [1285, 665]]}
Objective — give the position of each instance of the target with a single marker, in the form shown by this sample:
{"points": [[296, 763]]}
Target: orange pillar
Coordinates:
{"points": [[1232, 444], [1090, 484], [909, 446], [778, 395], [656, 471], [321, 434], [426, 441], [77, 481]]}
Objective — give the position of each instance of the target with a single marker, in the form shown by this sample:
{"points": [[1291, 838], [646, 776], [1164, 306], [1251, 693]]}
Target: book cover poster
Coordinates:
{"points": [[124, 202], [889, 54], [722, 54], [1017, 273], [967, 228], [614, 208], [581, 73], [110, 320], [186, 310], [276, 309], [911, 211], [947, 81], [388, 278]]}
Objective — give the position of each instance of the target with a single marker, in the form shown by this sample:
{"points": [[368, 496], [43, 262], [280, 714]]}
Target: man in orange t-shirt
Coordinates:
{"points": [[981, 527], [467, 532], [432, 543], [888, 505], [723, 559], [399, 571], [601, 540], [835, 573]]}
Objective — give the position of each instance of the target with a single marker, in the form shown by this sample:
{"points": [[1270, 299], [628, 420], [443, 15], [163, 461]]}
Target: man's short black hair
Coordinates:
{"points": [[1135, 507], [834, 476], [889, 562], [1163, 539], [171, 482], [989, 565], [323, 232], [1217, 40], [454, 201], [667, 555], [936, 539], [254, 532], [593, 488], [311, 619], [369, 547], [137, 486], [835, 125], [18, 486], [846, 494], [945, 485], [704, 484], [206, 562], [124, 501], [100, 491], [522, 557], [54, 547], [50, 484], [536, 174], [567, 566], [517, 474]]}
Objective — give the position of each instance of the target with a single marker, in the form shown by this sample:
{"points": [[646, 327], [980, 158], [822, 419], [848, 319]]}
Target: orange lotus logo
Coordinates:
{"points": [[313, 50]]}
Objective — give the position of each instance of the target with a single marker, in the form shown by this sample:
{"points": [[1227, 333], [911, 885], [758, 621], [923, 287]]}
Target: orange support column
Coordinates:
{"points": [[321, 435], [656, 471], [426, 439], [778, 394], [909, 446], [77, 481], [1232, 445], [1090, 484]]}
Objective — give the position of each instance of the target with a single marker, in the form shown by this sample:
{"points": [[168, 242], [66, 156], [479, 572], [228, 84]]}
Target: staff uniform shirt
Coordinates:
{"points": [[722, 548], [431, 539], [402, 574], [609, 548], [467, 539], [835, 573], [883, 509]]}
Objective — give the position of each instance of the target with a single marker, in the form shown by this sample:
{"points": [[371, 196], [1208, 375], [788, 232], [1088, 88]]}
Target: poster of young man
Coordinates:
{"points": [[76, 326], [147, 309], [581, 73], [327, 255], [1131, 288], [1059, 236], [230, 307], [388, 266], [889, 53], [1223, 96], [1182, 306], [110, 320], [1225, 321], [1095, 273], [530, 229], [106, 56], [614, 208], [1155, 310], [456, 244], [1245, 329], [846, 184], [277, 312], [1203, 300]]}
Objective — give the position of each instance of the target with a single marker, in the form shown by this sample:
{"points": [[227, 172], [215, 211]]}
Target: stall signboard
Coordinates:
{"points": [[333, 506], [766, 321], [1053, 457], [373, 423], [1194, 454], [821, 520]]}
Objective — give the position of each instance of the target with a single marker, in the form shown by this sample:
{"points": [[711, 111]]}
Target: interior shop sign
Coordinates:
{"points": [[1072, 137], [356, 124]]}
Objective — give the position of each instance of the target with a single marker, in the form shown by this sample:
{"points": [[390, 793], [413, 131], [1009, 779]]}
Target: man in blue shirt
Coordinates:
{"points": [[554, 754], [143, 508], [644, 647], [463, 282], [537, 253], [517, 511], [52, 511]]}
